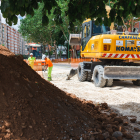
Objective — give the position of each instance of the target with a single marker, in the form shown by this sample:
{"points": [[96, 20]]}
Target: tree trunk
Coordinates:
{"points": [[48, 51], [44, 48], [41, 51], [55, 47], [56, 57], [74, 52], [60, 51], [64, 33], [67, 52]]}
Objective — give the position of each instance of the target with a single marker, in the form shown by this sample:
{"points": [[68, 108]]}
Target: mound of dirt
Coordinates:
{"points": [[34, 109], [5, 51]]}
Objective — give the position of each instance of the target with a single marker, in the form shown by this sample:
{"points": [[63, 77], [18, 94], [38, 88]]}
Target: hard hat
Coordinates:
{"points": [[31, 53], [44, 56]]}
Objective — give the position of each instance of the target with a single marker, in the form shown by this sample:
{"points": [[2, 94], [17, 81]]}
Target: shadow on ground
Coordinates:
{"points": [[122, 84]]}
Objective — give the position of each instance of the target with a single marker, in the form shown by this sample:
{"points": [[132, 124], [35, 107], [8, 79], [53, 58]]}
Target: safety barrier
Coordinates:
{"points": [[61, 60], [72, 60], [38, 65]]}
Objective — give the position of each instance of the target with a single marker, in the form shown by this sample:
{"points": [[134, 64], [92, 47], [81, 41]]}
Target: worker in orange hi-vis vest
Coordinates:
{"points": [[49, 65]]}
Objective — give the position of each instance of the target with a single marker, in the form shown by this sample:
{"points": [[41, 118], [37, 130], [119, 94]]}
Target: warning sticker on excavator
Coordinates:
{"points": [[138, 43], [129, 43], [119, 43], [107, 40]]}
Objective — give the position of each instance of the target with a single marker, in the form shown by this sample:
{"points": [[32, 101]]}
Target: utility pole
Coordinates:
{"points": [[41, 50], [68, 51]]}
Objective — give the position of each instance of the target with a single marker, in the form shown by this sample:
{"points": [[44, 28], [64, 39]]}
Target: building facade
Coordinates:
{"points": [[0, 31], [11, 39], [4, 35]]}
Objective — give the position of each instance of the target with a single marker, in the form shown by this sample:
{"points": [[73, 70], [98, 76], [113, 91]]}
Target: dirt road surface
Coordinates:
{"points": [[123, 96]]}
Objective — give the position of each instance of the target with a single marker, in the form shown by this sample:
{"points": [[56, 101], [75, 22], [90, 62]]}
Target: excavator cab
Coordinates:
{"points": [[89, 29]]}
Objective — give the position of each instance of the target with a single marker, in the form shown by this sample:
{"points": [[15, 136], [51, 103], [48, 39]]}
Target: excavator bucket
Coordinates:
{"points": [[122, 72], [75, 39], [71, 74]]}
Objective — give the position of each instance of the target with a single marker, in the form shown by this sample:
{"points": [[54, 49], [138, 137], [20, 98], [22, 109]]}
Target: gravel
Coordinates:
{"points": [[123, 96]]}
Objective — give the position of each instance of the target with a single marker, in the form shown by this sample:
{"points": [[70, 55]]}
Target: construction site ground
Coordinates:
{"points": [[123, 96], [32, 108]]}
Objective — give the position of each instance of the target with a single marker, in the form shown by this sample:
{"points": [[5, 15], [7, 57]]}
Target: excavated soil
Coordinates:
{"points": [[34, 109], [5, 51]]}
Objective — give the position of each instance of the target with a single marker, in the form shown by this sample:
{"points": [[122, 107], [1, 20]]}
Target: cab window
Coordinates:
{"points": [[88, 30], [100, 29], [84, 32]]}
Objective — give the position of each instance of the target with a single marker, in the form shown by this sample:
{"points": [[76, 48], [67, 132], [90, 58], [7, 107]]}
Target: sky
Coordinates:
{"points": [[14, 26]]}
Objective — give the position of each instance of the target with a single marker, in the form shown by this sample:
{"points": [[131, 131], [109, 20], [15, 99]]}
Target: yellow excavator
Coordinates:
{"points": [[112, 49]]}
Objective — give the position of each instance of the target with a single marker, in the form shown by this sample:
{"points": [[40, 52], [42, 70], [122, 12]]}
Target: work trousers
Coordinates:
{"points": [[31, 63], [49, 73]]}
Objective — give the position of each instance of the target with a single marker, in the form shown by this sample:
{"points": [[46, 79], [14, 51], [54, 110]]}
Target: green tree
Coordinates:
{"points": [[32, 29], [76, 10], [130, 21]]}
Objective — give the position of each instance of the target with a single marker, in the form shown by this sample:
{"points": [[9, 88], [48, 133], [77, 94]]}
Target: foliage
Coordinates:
{"points": [[130, 21], [31, 27], [25, 56], [76, 10], [50, 52], [3, 45]]}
